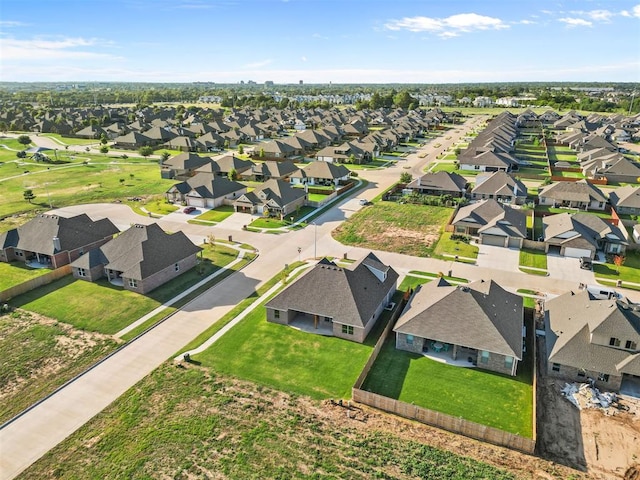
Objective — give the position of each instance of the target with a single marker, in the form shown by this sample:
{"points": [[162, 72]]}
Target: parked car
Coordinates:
{"points": [[586, 263], [189, 209]]}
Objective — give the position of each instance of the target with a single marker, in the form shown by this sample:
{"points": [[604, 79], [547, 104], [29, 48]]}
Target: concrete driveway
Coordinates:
{"points": [[498, 258], [567, 268]]}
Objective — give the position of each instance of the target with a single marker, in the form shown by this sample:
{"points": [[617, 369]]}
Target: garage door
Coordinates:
{"points": [[195, 201], [514, 242], [576, 252], [496, 240]]}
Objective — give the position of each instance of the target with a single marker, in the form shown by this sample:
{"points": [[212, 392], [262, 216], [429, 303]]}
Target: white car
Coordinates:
{"points": [[364, 201]]}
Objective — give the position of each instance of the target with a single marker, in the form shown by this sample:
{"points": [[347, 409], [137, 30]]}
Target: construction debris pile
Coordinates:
{"points": [[584, 395]]}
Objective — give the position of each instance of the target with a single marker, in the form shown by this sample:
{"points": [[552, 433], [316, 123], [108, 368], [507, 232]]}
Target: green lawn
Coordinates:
{"points": [[217, 214], [102, 307], [455, 247], [70, 141], [533, 258], [490, 399], [15, 273], [629, 270], [159, 205], [412, 281], [394, 227], [444, 166], [287, 359], [272, 222]]}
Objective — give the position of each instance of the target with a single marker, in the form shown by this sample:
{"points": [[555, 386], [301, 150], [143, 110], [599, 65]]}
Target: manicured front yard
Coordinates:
{"points": [[102, 307], [629, 270], [490, 399], [15, 273], [273, 222], [455, 247], [533, 258], [286, 359], [217, 214]]}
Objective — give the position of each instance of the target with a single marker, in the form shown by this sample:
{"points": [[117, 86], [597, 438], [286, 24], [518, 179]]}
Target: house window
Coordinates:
{"points": [[630, 345], [409, 339], [19, 253], [133, 283], [603, 377], [508, 362], [556, 367], [328, 319], [484, 356], [177, 267], [347, 329], [614, 342], [82, 272], [276, 314]]}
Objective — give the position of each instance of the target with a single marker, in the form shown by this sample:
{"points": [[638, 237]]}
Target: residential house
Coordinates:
{"points": [[53, 241], [581, 235], [440, 183], [345, 302], [182, 166], [274, 198], [488, 161], [206, 190], [481, 322], [580, 194], [500, 186], [495, 223], [268, 170], [140, 259], [320, 173], [626, 200], [593, 339]]}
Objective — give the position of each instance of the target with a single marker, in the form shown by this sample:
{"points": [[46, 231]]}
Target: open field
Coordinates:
{"points": [[38, 354], [394, 227]]}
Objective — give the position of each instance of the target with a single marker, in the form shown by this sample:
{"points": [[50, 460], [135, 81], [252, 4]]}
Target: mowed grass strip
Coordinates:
{"points": [[533, 258], [287, 359], [102, 307], [487, 398], [455, 247], [393, 227], [217, 214]]}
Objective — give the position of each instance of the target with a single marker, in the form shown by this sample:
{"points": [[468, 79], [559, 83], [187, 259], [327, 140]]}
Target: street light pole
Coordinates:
{"points": [[315, 240]]}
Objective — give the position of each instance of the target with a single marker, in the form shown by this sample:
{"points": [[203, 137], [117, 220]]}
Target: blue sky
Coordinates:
{"points": [[320, 41]]}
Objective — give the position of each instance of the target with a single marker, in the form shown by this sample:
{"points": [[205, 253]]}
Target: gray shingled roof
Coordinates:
{"points": [[573, 318], [141, 251], [274, 190], [209, 185], [480, 315], [349, 295], [580, 191], [324, 170], [590, 228], [499, 183], [73, 232], [627, 196], [490, 214], [451, 182]]}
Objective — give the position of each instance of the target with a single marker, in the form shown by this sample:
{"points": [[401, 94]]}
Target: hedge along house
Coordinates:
{"points": [[140, 259], [51, 241], [480, 321], [332, 300]]}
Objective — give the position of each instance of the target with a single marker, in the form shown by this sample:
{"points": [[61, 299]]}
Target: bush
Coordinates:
{"points": [[460, 238]]}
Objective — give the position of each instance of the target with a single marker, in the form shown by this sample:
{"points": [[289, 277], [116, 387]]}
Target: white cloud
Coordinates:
{"points": [[12, 23], [575, 22], [322, 37], [600, 15], [635, 11], [260, 64], [303, 58], [447, 27], [526, 22], [41, 48]]}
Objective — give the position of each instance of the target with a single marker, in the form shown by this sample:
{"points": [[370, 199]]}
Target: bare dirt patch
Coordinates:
{"points": [[605, 446]]}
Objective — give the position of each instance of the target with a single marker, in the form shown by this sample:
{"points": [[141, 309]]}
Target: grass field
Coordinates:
{"points": [[102, 307], [38, 355], [402, 228], [490, 399], [195, 422]]}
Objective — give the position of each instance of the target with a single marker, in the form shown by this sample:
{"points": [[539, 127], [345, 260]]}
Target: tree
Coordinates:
{"points": [[121, 181], [28, 195], [405, 177], [104, 139], [262, 153], [232, 175], [211, 241], [164, 156], [618, 260], [104, 149], [21, 154], [145, 151], [24, 140], [240, 149]]}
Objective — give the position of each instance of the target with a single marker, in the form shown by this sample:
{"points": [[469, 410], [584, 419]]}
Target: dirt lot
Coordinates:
{"points": [[605, 446]]}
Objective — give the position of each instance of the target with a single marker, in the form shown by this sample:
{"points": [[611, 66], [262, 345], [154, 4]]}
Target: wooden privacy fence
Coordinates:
{"points": [[35, 283], [446, 422]]}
